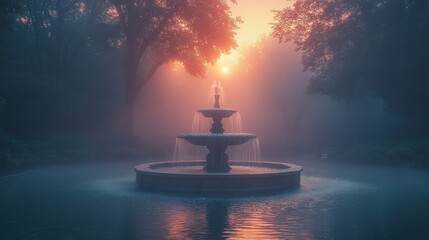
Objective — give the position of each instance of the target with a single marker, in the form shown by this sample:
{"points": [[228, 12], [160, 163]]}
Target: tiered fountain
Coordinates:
{"points": [[217, 174]]}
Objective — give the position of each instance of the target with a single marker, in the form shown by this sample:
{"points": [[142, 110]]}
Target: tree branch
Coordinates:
{"points": [[95, 11], [69, 6], [118, 7], [154, 36]]}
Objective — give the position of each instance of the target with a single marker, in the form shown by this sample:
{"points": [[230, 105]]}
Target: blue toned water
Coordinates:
{"points": [[101, 201]]}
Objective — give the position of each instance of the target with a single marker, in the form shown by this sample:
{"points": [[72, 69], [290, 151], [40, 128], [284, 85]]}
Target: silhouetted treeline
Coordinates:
{"points": [[73, 67], [77, 66], [60, 75], [375, 48], [67, 64], [365, 47], [59, 68]]}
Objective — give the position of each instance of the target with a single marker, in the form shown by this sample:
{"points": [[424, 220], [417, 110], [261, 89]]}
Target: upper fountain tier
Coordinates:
{"points": [[217, 112], [210, 139]]}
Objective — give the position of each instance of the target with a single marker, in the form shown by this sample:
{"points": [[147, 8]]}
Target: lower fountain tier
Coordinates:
{"points": [[209, 139], [244, 178]]}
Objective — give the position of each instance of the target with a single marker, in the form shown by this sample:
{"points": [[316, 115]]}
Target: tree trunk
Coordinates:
{"points": [[131, 91]]}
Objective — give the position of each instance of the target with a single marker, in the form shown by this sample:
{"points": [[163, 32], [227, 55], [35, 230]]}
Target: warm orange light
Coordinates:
{"points": [[225, 70]]}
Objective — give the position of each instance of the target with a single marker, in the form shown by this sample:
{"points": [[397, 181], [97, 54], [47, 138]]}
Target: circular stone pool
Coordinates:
{"points": [[244, 177]]}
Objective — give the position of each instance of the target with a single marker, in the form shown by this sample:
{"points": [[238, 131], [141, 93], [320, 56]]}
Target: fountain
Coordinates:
{"points": [[217, 174]]}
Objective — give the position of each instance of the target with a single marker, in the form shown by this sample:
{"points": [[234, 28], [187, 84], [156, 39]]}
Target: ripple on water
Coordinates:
{"points": [[89, 203], [270, 217], [297, 214], [310, 186]]}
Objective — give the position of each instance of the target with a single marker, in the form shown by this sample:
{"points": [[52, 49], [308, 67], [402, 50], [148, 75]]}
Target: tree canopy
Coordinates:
{"points": [[356, 47], [7, 9], [191, 32], [78, 62]]}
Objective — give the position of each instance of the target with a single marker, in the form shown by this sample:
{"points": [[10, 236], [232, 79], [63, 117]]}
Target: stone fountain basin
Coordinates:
{"points": [[208, 139], [218, 112], [244, 178]]}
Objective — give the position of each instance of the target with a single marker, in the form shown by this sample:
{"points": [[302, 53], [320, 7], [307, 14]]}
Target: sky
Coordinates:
{"points": [[257, 16], [266, 85], [168, 103]]}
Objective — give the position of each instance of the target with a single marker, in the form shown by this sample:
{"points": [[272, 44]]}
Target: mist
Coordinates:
{"points": [[271, 96], [101, 136], [72, 84]]}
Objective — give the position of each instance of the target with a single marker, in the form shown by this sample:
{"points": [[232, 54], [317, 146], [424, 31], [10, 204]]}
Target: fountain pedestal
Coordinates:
{"points": [[217, 160]]}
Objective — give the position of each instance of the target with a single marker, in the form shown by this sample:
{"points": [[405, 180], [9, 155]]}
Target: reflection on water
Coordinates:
{"points": [[102, 202], [290, 215]]}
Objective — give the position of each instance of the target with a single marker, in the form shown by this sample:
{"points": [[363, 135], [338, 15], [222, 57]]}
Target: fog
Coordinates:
{"points": [[94, 94], [268, 88], [71, 83]]}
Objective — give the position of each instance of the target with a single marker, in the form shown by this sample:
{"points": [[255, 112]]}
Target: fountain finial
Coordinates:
{"points": [[216, 94]]}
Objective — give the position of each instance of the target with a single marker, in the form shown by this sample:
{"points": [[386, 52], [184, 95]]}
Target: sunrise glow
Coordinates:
{"points": [[225, 70], [252, 29]]}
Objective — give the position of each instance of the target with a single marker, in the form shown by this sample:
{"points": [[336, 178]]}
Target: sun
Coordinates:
{"points": [[225, 70]]}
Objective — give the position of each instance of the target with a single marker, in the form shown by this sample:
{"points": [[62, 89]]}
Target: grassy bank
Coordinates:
{"points": [[17, 155], [413, 153]]}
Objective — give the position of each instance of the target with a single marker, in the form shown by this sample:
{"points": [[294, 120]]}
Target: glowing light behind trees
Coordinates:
{"points": [[256, 17]]}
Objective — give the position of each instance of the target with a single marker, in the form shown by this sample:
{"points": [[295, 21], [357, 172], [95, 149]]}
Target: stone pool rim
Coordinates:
{"points": [[150, 177]]}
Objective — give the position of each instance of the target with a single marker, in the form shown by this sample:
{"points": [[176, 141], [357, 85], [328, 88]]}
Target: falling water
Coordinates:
{"points": [[245, 152], [201, 124], [185, 151], [233, 124]]}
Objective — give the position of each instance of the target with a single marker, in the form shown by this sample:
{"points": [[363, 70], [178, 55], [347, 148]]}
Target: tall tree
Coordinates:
{"points": [[364, 46], [59, 30], [52, 66], [8, 9], [194, 32]]}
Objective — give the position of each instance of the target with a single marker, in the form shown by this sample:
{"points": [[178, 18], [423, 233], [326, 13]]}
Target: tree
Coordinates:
{"points": [[192, 32], [52, 64], [7, 10], [59, 29], [356, 47]]}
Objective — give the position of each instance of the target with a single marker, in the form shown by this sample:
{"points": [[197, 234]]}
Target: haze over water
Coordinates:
{"points": [[90, 89], [88, 201]]}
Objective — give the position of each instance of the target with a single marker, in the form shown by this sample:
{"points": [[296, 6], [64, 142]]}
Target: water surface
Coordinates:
{"points": [[101, 201]]}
